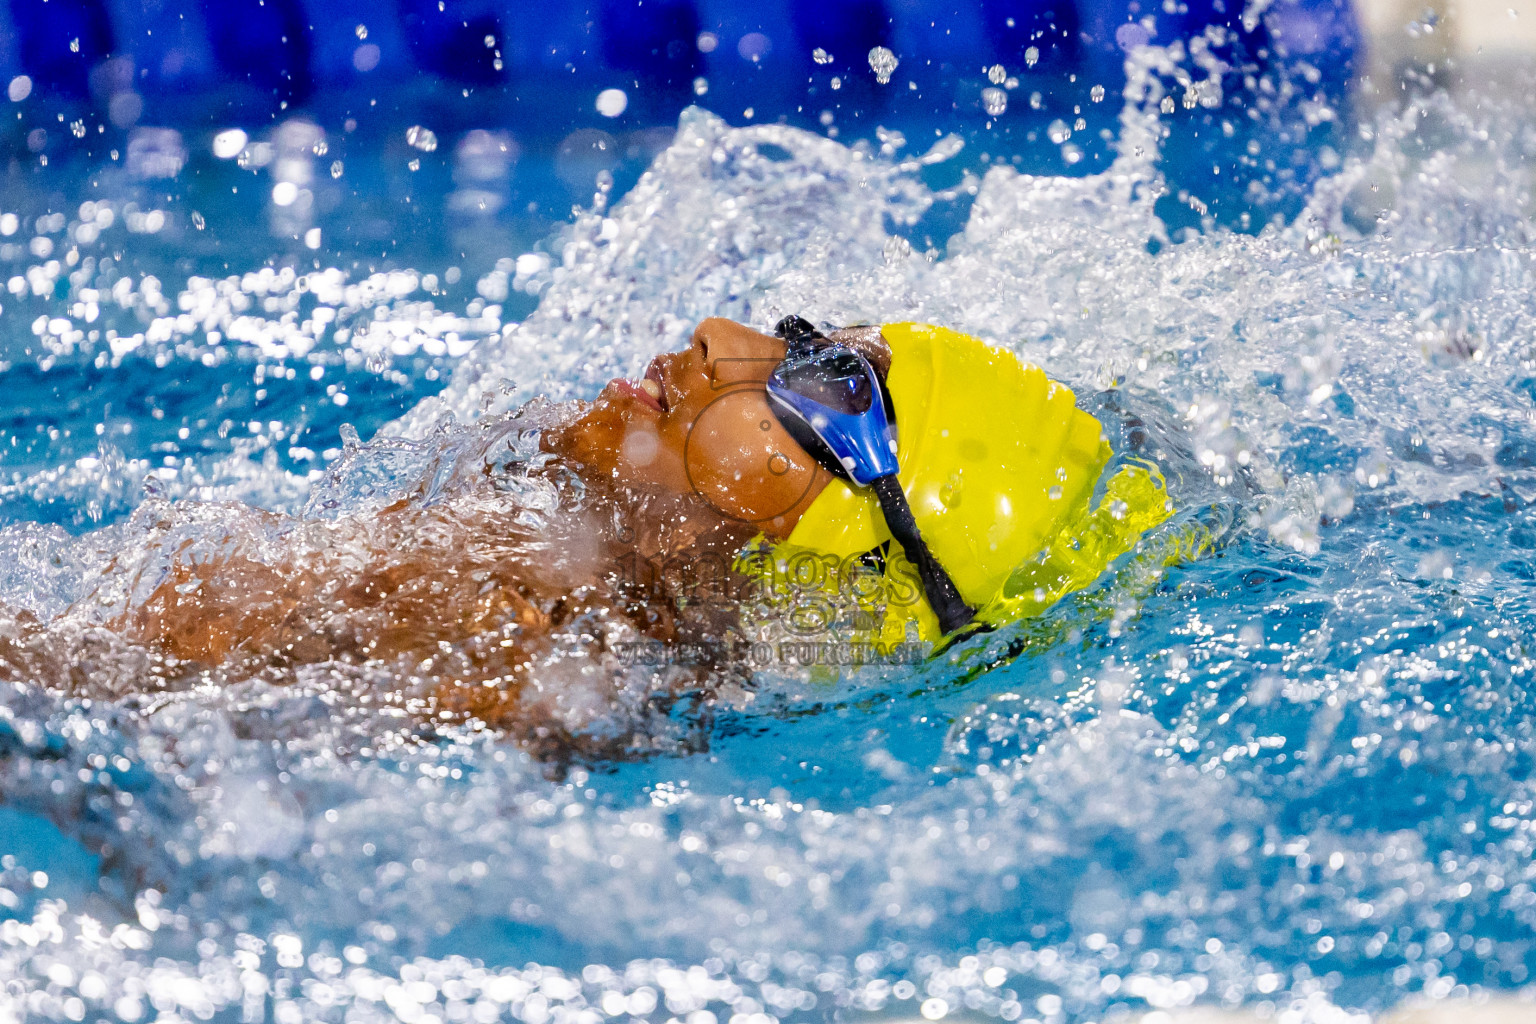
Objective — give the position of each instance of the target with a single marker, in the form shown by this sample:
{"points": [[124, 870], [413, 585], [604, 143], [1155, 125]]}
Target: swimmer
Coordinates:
{"points": [[719, 459]]}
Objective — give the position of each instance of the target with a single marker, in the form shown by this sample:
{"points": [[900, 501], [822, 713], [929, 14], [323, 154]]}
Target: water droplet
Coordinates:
{"points": [[1058, 131], [1061, 473], [349, 438], [1096, 94], [997, 74], [700, 86], [821, 56], [949, 494], [414, 165], [198, 221], [424, 139], [336, 168], [994, 101], [74, 45], [490, 42], [612, 102], [362, 31], [1054, 493], [882, 61], [78, 128], [321, 147], [229, 143], [1032, 56], [754, 46], [1167, 105]]}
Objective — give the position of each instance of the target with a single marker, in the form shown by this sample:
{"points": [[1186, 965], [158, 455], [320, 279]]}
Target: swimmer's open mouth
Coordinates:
{"points": [[654, 387], [648, 390]]}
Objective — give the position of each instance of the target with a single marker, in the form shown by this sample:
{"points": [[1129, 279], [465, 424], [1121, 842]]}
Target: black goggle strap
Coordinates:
{"points": [[943, 596], [798, 332]]}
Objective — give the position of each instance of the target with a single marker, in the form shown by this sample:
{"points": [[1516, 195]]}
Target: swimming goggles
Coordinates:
{"points": [[824, 393]]}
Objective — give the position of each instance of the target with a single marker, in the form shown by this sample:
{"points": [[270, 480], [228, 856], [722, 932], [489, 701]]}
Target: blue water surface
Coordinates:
{"points": [[1286, 772]]}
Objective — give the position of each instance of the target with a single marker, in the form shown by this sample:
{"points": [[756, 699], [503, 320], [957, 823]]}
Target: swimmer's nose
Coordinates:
{"points": [[700, 344], [732, 353]]}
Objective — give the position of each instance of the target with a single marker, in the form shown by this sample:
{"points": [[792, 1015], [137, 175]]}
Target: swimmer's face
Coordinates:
{"points": [[699, 422]]}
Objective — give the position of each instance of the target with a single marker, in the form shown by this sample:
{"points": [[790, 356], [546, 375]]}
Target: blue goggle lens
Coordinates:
{"points": [[830, 376]]}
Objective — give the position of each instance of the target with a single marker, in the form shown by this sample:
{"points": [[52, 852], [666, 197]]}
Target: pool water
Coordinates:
{"points": [[1292, 775]]}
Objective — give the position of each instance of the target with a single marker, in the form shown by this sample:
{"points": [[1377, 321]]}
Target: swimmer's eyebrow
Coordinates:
{"points": [[729, 371]]}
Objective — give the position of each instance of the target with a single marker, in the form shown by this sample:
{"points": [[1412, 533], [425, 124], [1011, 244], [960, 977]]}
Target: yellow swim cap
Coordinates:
{"points": [[999, 466]]}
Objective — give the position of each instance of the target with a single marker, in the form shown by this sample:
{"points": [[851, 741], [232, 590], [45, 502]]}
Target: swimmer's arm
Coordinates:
{"points": [[306, 592], [206, 611]]}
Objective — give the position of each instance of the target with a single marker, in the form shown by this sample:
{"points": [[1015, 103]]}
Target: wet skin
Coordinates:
{"points": [[461, 600]]}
